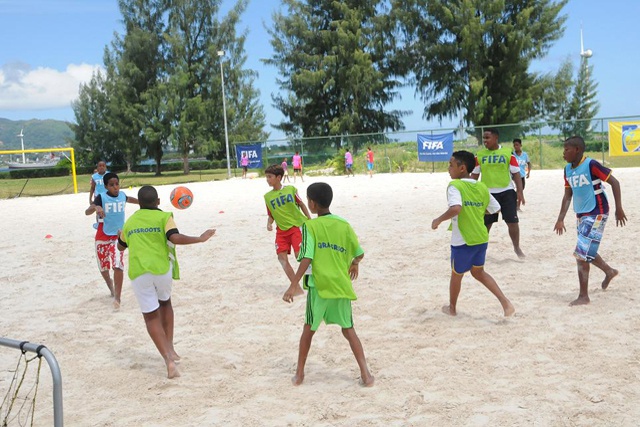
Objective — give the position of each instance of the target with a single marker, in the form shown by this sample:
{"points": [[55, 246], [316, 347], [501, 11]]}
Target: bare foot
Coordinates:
{"points": [[446, 309], [296, 380], [172, 369], [608, 277], [519, 253], [580, 301], [368, 381], [174, 356], [509, 310], [116, 305]]}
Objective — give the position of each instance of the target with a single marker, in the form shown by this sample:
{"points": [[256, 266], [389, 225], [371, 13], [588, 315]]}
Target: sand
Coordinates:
{"points": [[550, 365]]}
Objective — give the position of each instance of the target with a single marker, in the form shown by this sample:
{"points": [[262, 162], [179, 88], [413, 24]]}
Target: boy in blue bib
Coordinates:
{"points": [[583, 178]]}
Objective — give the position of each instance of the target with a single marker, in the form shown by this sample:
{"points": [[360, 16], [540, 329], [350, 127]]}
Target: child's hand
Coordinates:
{"points": [[435, 223], [559, 228], [353, 271], [207, 234], [288, 295], [269, 227], [621, 218], [99, 211]]}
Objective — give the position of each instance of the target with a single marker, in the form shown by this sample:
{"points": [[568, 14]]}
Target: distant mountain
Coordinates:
{"points": [[37, 134]]}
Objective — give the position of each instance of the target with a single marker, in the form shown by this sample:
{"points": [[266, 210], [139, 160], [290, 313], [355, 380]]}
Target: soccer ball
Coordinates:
{"points": [[181, 197]]}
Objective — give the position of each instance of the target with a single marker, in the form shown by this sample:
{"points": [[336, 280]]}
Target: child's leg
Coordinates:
{"points": [[609, 272], [488, 281], [303, 352], [104, 262], [356, 347], [118, 278], [283, 257], [583, 280], [156, 332], [166, 317], [514, 233], [455, 284], [107, 279]]}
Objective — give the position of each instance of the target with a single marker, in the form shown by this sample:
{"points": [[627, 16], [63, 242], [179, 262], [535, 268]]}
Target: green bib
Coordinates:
{"points": [[149, 250], [331, 244], [494, 167], [283, 207], [475, 199]]}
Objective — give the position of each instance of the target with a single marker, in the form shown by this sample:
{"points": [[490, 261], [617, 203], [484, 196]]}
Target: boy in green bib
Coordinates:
{"points": [[501, 174], [331, 247], [150, 234], [468, 200]]}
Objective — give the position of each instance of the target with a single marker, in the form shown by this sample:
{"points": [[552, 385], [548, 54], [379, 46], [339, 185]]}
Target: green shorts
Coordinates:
{"points": [[332, 311]]}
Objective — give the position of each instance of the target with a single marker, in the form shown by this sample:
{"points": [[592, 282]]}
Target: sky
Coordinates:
{"points": [[50, 47]]}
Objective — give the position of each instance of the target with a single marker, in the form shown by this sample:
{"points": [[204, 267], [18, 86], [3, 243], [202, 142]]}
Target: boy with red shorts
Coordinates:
{"points": [[109, 207], [289, 212]]}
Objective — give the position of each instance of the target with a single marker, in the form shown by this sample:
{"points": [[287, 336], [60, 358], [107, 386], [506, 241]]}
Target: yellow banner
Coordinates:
{"points": [[624, 138]]}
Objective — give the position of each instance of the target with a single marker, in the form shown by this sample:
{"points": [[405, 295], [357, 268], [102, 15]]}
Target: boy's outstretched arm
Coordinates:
{"points": [[559, 228], [183, 239], [621, 218], [450, 213], [132, 200], [295, 283]]}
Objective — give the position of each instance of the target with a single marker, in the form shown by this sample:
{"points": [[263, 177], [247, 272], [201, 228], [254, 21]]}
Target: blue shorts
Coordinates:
{"points": [[464, 257], [369, 166], [590, 230], [349, 165]]}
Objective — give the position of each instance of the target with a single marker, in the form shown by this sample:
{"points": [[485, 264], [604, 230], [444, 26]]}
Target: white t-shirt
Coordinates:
{"points": [[454, 198]]}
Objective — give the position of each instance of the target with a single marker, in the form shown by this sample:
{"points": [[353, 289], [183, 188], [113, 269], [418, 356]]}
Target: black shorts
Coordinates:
{"points": [[508, 208]]}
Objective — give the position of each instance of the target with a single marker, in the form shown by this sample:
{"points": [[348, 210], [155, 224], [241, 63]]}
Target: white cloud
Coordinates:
{"points": [[24, 88]]}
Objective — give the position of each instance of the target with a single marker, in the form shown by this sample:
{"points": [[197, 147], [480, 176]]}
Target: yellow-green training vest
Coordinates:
{"points": [[475, 199], [146, 238], [494, 167]]}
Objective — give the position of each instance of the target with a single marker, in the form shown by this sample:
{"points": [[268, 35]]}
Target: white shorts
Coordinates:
{"points": [[152, 288]]}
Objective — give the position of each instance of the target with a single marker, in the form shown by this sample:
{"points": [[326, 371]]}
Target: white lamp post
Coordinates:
{"points": [[224, 111]]}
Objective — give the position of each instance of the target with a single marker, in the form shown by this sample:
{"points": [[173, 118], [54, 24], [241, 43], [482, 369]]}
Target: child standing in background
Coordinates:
{"points": [[348, 163], [297, 166], [285, 168], [97, 184]]}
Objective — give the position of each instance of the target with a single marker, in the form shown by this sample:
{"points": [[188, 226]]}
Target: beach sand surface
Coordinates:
{"points": [[550, 365]]}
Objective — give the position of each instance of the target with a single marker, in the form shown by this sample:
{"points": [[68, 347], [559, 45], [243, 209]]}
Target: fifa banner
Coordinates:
{"points": [[435, 148], [624, 138], [253, 152]]}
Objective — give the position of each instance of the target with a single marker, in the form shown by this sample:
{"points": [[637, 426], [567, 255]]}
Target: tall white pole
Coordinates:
{"points": [[22, 144], [224, 111]]}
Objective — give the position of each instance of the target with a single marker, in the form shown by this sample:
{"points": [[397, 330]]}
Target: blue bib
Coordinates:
{"points": [[113, 213], [99, 180], [581, 182]]}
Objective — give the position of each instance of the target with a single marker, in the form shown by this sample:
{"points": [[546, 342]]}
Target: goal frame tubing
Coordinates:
{"points": [[43, 351], [49, 150]]}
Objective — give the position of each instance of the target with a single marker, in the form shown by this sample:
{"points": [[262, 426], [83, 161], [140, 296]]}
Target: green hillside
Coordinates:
{"points": [[37, 134]]}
